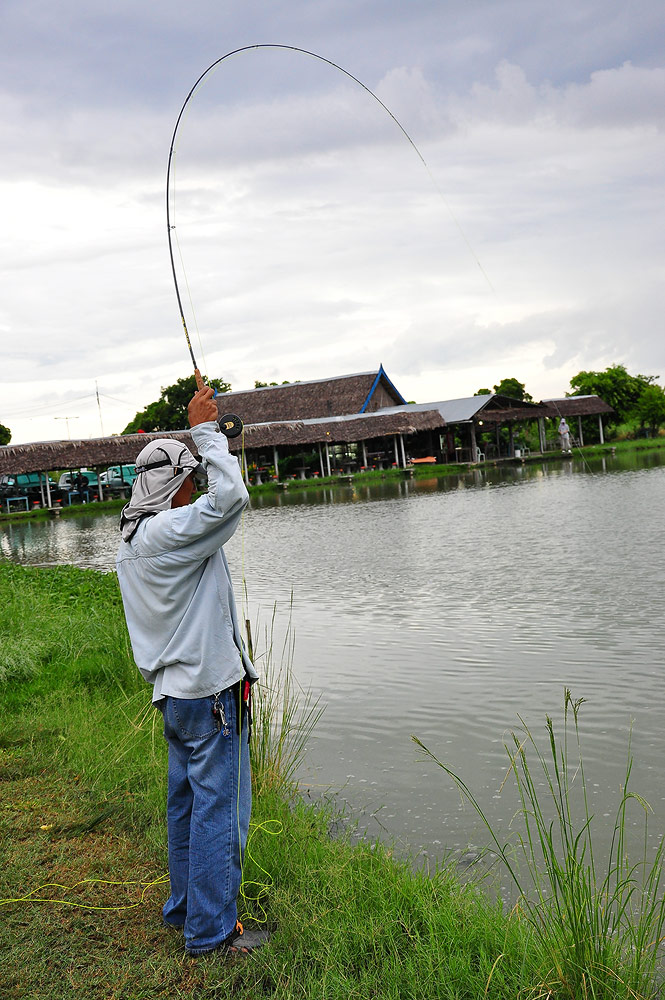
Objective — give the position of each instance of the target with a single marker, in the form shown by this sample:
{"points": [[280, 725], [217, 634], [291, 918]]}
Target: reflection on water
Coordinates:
{"points": [[86, 540], [445, 608]]}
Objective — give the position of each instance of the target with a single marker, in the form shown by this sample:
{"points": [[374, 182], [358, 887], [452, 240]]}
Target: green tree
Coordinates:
{"points": [[266, 385], [483, 392], [5, 434], [650, 408], [514, 389], [169, 412], [615, 386]]}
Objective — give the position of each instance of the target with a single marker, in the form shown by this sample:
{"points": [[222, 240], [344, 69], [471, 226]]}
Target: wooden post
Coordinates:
{"points": [[511, 428], [48, 491], [541, 434], [364, 448], [276, 459], [250, 643], [579, 430], [600, 428], [41, 490], [328, 458], [474, 446], [401, 444], [100, 491], [396, 451], [323, 472], [498, 440]]}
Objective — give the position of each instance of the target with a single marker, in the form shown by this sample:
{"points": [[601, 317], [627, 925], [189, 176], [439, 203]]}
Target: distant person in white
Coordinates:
{"points": [[564, 434]]}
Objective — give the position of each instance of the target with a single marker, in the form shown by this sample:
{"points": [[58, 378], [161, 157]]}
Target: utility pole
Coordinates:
{"points": [[99, 406], [67, 419]]}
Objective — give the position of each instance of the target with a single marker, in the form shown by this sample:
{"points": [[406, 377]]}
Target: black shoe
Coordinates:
{"points": [[239, 942]]}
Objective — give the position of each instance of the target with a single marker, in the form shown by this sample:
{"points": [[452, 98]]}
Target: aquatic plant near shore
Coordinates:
{"points": [[599, 928]]}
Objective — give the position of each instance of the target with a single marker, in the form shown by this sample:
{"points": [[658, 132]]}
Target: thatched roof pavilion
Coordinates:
{"points": [[576, 406], [360, 393], [346, 409], [92, 453], [122, 450]]}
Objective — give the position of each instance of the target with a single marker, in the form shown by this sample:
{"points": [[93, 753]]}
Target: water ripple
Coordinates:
{"points": [[448, 609]]}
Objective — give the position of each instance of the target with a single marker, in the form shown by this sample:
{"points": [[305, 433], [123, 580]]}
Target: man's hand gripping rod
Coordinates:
{"points": [[229, 423]]}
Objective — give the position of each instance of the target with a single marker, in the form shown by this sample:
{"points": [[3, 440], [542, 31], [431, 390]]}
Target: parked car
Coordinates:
{"points": [[88, 478], [24, 484], [118, 477]]}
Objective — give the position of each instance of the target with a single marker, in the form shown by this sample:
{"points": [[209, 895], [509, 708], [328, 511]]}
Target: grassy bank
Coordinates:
{"points": [[611, 447], [82, 793], [71, 510]]}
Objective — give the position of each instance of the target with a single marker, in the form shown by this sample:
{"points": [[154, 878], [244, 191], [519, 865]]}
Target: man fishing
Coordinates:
{"points": [[182, 621], [564, 434]]}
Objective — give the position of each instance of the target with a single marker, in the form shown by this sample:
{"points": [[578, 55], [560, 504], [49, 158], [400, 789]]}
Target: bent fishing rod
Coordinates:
{"points": [[229, 423]]}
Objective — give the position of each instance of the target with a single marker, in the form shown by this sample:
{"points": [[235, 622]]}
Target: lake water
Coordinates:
{"points": [[446, 609]]}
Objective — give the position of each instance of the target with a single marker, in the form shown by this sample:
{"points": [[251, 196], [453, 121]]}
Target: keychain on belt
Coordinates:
{"points": [[219, 716]]}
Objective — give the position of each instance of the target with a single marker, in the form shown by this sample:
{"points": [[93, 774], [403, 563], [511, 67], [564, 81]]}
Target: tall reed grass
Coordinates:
{"points": [[285, 715], [598, 923], [66, 665]]}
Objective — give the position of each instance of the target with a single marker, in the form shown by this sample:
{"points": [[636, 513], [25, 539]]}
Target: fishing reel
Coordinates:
{"points": [[230, 424]]}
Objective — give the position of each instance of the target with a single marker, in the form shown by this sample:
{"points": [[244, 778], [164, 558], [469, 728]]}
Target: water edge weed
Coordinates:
{"points": [[598, 927]]}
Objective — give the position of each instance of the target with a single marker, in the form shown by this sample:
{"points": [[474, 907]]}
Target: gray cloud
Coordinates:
{"points": [[313, 240]]}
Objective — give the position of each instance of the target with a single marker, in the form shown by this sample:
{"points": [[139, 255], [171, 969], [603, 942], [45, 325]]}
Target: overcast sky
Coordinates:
{"points": [[310, 238]]}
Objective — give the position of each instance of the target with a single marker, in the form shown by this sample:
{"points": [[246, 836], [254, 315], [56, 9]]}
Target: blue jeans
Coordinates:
{"points": [[209, 804]]}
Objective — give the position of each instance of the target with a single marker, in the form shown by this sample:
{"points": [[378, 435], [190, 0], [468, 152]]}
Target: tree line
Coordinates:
{"points": [[634, 398]]}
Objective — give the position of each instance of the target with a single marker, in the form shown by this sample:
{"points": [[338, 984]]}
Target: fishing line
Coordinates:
{"points": [[261, 887], [184, 273], [272, 827], [31, 898], [313, 55], [171, 229]]}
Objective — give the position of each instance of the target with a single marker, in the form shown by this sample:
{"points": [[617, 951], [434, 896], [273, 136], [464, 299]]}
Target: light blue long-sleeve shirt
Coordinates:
{"points": [[176, 588]]}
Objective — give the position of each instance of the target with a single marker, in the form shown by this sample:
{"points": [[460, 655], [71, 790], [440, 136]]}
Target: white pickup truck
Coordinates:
{"points": [[118, 477]]}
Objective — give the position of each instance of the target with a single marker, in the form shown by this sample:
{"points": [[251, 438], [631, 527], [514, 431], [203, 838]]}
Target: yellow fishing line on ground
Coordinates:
{"points": [[272, 827], [31, 898]]}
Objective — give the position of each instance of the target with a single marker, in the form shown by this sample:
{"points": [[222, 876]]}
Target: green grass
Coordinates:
{"points": [[82, 797], [623, 446], [371, 475]]}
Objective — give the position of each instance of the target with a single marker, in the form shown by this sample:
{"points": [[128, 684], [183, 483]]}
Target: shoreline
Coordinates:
{"points": [[416, 472], [83, 771]]}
